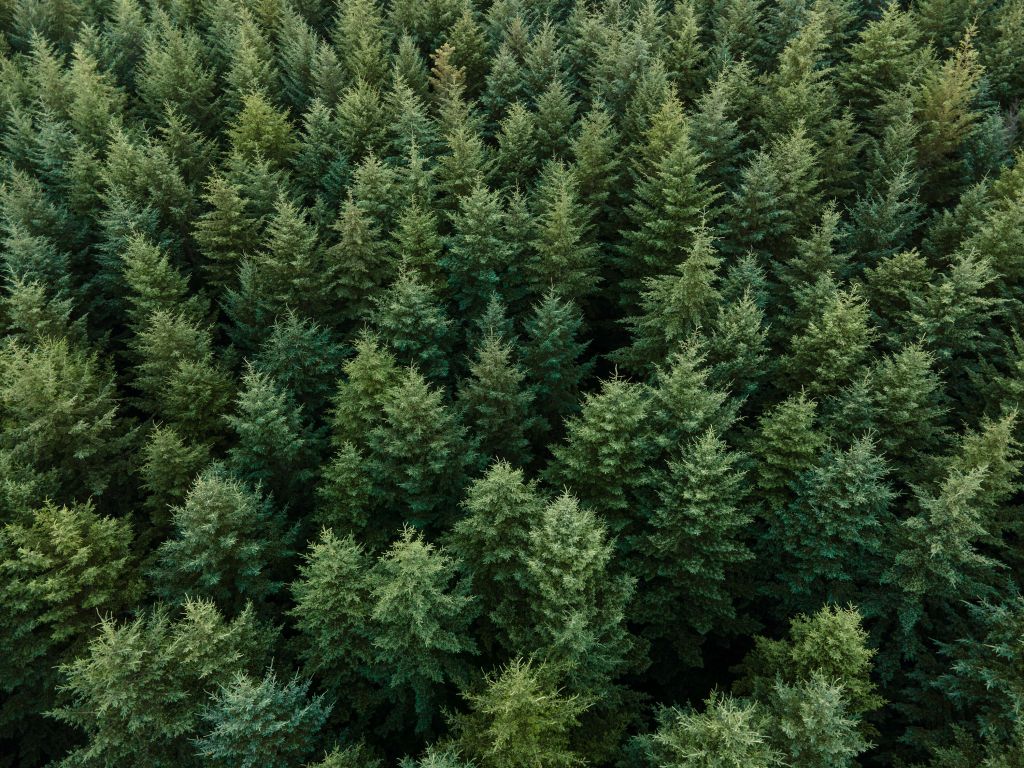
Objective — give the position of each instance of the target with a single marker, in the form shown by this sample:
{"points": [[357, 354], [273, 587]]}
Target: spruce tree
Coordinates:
{"points": [[273, 450], [421, 614], [418, 453], [833, 534], [261, 723], [502, 508], [692, 545], [519, 719], [605, 459], [59, 411], [62, 567], [551, 354], [227, 545], [138, 691], [411, 320], [476, 251], [332, 614], [563, 257], [496, 404]]}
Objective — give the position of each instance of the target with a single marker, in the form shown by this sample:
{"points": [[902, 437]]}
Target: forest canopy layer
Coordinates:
{"points": [[512, 384]]}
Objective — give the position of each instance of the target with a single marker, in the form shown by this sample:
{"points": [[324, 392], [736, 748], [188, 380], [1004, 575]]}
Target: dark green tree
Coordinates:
{"points": [[227, 545], [261, 723], [138, 691]]}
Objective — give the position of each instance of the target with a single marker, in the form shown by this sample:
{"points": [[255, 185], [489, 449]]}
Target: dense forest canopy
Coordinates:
{"points": [[512, 384]]}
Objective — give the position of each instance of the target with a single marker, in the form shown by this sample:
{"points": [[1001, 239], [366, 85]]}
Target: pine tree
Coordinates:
{"points": [[691, 545], [519, 720], [554, 121], [944, 112], [421, 614], [811, 724], [62, 567], [225, 232], [983, 676], [496, 404], [777, 200], [154, 284], [261, 723], [227, 545], [786, 446], [683, 404], [172, 72], [177, 376]]}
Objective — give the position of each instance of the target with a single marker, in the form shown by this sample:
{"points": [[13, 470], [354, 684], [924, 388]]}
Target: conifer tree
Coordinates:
{"points": [[262, 131], [332, 614], [226, 546], [786, 445], [605, 458], [476, 251], [272, 449], [356, 262], [777, 199], [303, 358], [574, 604], [225, 232], [59, 411], [833, 534], [418, 452], [729, 732], [502, 508], [671, 204], [833, 346], [982, 677], [178, 377], [518, 720], [812, 726], [169, 465], [563, 257], [62, 567], [691, 546], [551, 354], [409, 317], [830, 643], [674, 305], [261, 723], [422, 610], [684, 405], [138, 690], [496, 404]]}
